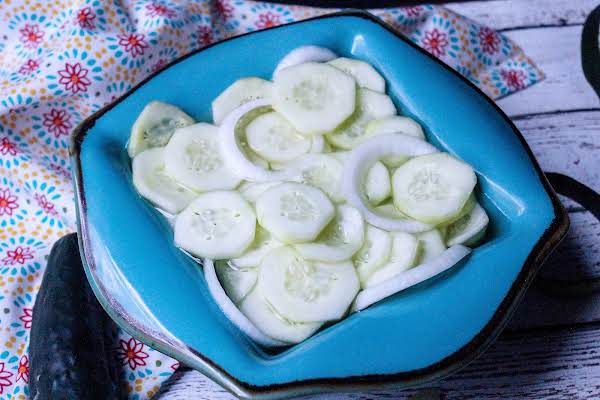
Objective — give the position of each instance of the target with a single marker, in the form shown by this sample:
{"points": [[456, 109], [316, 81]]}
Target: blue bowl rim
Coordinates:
{"points": [[548, 241]]}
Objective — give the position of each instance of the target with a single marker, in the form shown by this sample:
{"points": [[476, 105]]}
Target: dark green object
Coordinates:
{"points": [[71, 336]]}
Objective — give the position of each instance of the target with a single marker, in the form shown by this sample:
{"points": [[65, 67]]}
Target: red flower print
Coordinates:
{"points": [[59, 169], [4, 378], [435, 42], [8, 202], [85, 18], [45, 204], [58, 122], [133, 43], [205, 35], [159, 10], [23, 371], [18, 255], [514, 78], [74, 77], [159, 64], [29, 67], [224, 9], [131, 353], [8, 147], [413, 11], [31, 36], [267, 20], [489, 40], [27, 317]]}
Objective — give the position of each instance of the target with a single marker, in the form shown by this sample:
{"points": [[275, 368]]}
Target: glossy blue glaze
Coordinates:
{"points": [[409, 331]]}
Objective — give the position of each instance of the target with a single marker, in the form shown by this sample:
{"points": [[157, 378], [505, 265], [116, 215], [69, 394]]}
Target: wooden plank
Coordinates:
{"points": [[556, 51], [550, 363], [512, 14]]}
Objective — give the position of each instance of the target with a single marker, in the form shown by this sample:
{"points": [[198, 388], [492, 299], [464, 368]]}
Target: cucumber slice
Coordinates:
{"points": [[389, 210], [193, 158], [238, 93], [410, 278], [317, 144], [364, 156], [152, 182], [343, 237], [217, 225], [235, 280], [394, 124], [433, 188], [371, 105], [252, 190], [377, 184], [304, 54], [294, 212], [432, 245], [315, 98], [155, 126], [231, 311], [404, 255], [323, 171], [374, 253], [262, 244], [264, 316], [235, 150], [366, 76], [469, 229], [306, 291], [274, 139]]}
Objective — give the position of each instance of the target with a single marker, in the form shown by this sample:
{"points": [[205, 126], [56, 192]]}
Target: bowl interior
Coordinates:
{"points": [[409, 331]]}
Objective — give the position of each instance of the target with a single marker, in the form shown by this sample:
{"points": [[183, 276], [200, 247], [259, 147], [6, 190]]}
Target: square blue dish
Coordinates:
{"points": [[159, 295]]}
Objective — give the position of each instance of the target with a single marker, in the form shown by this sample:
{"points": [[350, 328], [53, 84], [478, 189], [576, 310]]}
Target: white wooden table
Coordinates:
{"points": [[551, 349]]}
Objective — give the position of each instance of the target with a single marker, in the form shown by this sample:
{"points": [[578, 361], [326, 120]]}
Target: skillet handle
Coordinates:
{"points": [[590, 49]]}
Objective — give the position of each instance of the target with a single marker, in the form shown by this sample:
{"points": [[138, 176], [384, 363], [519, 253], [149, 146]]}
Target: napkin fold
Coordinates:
{"points": [[62, 60]]}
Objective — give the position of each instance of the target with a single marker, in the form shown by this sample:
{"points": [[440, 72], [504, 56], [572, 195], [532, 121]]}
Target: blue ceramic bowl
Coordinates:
{"points": [[159, 295]]}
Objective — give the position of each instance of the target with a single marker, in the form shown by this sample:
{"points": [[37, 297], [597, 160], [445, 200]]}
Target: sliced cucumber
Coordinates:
{"points": [[155, 126], [193, 158], [377, 184], [294, 212], [306, 291], [366, 76], [235, 150], [235, 280], [252, 190], [317, 144], [323, 171], [389, 210], [371, 105], [217, 225], [238, 93], [315, 98], [343, 237], [304, 54], [394, 124], [231, 311], [374, 253], [432, 245], [275, 139], [469, 229], [410, 278], [262, 244], [404, 255], [358, 164], [267, 319], [433, 188], [152, 182]]}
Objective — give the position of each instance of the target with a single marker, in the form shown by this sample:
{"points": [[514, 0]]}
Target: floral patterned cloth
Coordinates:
{"points": [[61, 60]]}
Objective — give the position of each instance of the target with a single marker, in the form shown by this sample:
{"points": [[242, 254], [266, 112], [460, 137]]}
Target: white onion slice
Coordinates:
{"points": [[411, 277], [360, 161], [232, 312], [304, 54], [318, 144], [232, 153]]}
